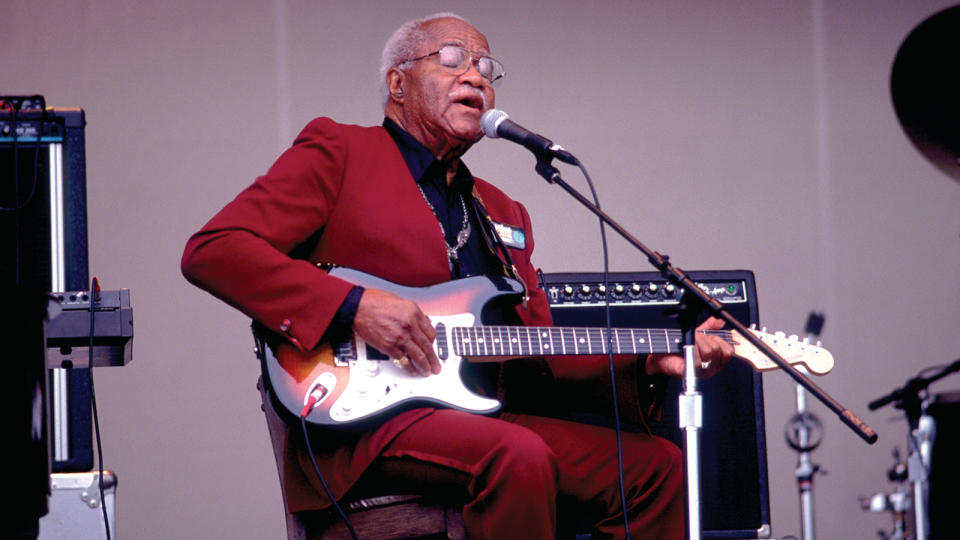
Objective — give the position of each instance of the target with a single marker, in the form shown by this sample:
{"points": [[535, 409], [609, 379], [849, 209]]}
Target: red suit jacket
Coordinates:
{"points": [[341, 194]]}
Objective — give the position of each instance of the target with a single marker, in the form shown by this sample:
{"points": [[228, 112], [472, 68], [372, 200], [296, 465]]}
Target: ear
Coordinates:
{"points": [[395, 78]]}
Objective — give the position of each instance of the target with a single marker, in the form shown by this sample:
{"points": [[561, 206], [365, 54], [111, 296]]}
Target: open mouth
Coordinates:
{"points": [[471, 100]]}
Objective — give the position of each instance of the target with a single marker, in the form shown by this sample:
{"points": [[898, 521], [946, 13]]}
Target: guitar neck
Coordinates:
{"points": [[520, 341]]}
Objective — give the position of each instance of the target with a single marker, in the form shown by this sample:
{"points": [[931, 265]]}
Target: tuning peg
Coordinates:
{"points": [[764, 329], [753, 326], [793, 337]]}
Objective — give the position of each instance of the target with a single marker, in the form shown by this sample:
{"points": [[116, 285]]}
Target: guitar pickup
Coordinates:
{"points": [[346, 352], [443, 351]]}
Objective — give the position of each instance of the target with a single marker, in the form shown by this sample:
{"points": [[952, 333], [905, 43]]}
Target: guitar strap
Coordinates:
{"points": [[529, 379], [495, 244]]}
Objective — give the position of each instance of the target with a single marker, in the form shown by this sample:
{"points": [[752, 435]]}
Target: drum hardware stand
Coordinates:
{"points": [[699, 301], [804, 434], [922, 430], [898, 502]]}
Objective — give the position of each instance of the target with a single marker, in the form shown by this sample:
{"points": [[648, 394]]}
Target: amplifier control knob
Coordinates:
{"points": [[568, 291], [670, 289], [585, 290], [618, 290], [635, 289], [602, 290], [652, 289]]}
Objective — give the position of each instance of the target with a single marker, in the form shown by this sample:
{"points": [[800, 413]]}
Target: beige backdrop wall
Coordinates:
{"points": [[731, 134]]}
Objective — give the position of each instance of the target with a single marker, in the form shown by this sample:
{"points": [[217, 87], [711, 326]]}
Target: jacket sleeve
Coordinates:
{"points": [[243, 254]]}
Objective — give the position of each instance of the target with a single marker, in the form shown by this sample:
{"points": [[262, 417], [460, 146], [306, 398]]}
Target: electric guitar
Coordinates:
{"points": [[352, 382]]}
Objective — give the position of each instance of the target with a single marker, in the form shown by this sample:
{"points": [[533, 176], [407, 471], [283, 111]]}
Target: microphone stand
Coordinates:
{"points": [[695, 301]]}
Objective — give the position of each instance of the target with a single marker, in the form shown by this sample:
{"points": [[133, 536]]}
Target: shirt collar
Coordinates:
{"points": [[419, 160]]}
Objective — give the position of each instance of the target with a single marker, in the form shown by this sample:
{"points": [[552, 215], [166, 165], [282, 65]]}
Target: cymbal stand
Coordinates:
{"points": [[911, 398], [920, 440]]}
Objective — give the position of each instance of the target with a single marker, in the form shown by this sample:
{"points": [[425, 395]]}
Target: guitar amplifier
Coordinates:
{"points": [[43, 171], [734, 486]]}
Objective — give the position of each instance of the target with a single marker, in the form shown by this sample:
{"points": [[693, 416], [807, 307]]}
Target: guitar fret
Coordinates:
{"points": [[461, 342], [648, 342], [625, 342], [556, 340], [678, 340], [457, 342], [577, 340]]}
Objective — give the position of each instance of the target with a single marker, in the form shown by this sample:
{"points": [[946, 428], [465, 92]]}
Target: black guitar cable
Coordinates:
{"points": [[94, 300], [316, 469], [613, 376]]}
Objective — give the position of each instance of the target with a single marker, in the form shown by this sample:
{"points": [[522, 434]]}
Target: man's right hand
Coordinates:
{"points": [[398, 328]]}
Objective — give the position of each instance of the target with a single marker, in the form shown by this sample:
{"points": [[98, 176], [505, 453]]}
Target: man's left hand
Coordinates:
{"points": [[712, 353]]}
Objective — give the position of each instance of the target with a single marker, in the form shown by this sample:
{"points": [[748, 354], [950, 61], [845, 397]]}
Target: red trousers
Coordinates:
{"points": [[514, 469]]}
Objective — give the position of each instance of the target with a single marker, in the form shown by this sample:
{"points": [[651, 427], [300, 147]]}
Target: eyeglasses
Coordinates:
{"points": [[458, 58]]}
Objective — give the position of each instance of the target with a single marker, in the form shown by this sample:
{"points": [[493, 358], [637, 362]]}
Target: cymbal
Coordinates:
{"points": [[925, 87]]}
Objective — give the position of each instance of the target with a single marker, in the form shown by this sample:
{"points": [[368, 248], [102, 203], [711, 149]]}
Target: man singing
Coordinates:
{"points": [[396, 201]]}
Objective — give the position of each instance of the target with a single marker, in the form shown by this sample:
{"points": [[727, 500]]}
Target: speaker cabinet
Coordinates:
{"points": [[734, 486], [44, 244]]}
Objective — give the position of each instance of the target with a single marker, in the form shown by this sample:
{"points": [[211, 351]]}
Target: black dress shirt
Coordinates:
{"points": [[474, 258]]}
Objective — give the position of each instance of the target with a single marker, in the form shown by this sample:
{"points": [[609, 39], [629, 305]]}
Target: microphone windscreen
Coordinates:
{"points": [[491, 121]]}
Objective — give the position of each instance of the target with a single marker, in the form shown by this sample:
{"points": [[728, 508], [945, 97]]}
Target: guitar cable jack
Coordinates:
{"points": [[313, 399]]}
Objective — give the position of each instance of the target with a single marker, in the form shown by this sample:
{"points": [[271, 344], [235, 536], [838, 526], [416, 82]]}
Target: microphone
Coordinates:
{"points": [[496, 123]]}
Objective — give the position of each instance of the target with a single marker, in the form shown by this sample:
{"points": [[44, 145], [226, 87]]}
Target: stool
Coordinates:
{"points": [[377, 516], [388, 517]]}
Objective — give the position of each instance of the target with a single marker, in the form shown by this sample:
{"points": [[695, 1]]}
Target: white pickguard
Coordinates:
{"points": [[376, 385]]}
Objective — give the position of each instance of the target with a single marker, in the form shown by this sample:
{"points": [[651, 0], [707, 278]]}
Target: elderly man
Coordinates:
{"points": [[397, 202]]}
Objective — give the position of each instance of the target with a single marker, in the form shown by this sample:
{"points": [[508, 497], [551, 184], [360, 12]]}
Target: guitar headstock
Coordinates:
{"points": [[815, 358]]}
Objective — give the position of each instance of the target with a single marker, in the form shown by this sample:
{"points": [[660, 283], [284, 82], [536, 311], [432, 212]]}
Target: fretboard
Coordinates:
{"points": [[518, 341]]}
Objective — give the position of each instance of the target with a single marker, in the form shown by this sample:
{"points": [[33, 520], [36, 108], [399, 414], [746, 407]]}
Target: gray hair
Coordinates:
{"points": [[403, 45]]}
